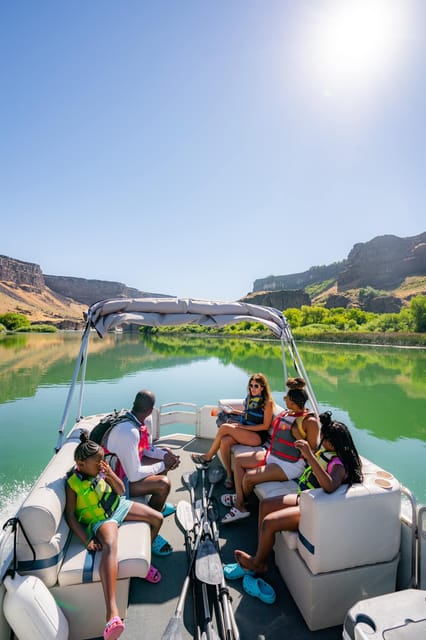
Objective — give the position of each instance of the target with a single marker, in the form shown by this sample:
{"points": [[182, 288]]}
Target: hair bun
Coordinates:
{"points": [[295, 383], [84, 435]]}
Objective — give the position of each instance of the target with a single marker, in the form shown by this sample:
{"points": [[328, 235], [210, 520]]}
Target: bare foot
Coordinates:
{"points": [[248, 562]]}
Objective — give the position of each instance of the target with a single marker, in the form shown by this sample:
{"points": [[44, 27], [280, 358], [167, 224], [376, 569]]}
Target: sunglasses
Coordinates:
{"points": [[254, 384]]}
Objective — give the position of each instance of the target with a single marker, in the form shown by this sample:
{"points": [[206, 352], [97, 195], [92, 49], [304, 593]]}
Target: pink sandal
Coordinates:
{"points": [[114, 628], [153, 575]]}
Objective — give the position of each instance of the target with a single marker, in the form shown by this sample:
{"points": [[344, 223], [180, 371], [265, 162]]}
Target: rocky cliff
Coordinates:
{"points": [[382, 263], [58, 300], [299, 280], [90, 291], [21, 273], [279, 299]]}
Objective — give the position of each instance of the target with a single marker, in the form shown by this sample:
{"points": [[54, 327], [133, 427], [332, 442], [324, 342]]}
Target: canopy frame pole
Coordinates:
{"points": [[82, 381], [302, 371], [81, 358], [283, 345]]}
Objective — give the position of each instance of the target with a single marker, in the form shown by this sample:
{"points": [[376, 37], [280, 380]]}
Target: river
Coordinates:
{"points": [[378, 392]]}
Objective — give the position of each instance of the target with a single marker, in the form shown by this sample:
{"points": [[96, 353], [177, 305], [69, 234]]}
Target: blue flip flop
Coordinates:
{"points": [[234, 571], [258, 588], [158, 545], [168, 509]]}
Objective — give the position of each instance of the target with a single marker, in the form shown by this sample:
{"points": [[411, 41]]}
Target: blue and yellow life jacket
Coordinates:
{"points": [[95, 498], [308, 479], [254, 410]]}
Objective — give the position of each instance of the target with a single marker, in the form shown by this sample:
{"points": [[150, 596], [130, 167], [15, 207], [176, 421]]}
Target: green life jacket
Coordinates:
{"points": [[308, 479], [95, 498]]}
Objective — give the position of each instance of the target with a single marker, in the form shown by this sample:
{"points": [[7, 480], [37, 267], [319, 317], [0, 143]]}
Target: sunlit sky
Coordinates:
{"points": [[192, 147]]}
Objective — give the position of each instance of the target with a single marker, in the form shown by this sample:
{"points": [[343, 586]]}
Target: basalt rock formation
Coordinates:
{"points": [[57, 300], [21, 273], [89, 291], [383, 264], [299, 280], [279, 299]]}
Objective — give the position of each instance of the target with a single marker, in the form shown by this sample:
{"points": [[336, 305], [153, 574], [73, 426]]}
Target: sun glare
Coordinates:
{"points": [[354, 42]]}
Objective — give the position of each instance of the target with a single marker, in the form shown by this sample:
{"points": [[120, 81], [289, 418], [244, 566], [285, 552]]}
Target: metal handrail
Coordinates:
{"points": [[414, 535]]}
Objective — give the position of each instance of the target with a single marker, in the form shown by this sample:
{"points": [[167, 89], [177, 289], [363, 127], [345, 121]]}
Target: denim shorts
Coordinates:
{"points": [[118, 516]]}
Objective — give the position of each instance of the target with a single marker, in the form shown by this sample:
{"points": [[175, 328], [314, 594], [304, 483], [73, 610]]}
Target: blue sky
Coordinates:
{"points": [[190, 147]]}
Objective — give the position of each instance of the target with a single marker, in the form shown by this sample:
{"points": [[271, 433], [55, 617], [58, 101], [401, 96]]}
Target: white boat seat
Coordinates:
{"points": [[134, 550], [346, 548], [62, 562]]}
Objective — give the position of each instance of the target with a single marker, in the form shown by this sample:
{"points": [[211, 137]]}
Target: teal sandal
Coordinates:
{"points": [[160, 547], [168, 509], [258, 588]]}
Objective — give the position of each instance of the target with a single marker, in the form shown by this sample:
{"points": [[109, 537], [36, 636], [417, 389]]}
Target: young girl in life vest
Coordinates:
{"points": [[250, 427], [336, 462], [282, 460], [95, 508]]}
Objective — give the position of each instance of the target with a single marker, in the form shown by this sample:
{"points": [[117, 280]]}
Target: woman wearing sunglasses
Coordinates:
{"points": [[282, 460], [250, 427]]}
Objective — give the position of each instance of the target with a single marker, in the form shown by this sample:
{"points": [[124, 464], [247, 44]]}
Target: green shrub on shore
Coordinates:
{"points": [[14, 321], [40, 328]]}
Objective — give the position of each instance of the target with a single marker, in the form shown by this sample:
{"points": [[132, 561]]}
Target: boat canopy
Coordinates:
{"points": [[161, 312], [111, 314]]}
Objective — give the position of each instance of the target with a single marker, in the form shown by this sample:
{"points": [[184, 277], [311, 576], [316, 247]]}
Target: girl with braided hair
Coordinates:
{"points": [[95, 508], [336, 462]]}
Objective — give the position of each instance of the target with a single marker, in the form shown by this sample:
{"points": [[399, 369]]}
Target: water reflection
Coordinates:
{"points": [[382, 389], [379, 392]]}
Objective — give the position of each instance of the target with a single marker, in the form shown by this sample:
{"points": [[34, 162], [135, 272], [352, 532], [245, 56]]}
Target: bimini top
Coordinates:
{"points": [[161, 312]]}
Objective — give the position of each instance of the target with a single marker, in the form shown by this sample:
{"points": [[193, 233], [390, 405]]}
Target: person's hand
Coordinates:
{"points": [[93, 545], [105, 470], [304, 448], [171, 461]]}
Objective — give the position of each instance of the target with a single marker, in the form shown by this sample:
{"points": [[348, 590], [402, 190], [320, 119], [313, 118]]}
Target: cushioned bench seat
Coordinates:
{"points": [[346, 549], [62, 562], [347, 546]]}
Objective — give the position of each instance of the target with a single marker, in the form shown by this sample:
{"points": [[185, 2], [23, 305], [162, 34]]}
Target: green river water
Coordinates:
{"points": [[379, 392]]}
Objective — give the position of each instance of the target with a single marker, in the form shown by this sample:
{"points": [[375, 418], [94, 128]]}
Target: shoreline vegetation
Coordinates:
{"points": [[308, 324]]}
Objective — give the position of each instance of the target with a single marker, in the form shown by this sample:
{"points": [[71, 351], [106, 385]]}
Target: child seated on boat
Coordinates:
{"points": [[249, 428], [336, 462], [282, 460], [95, 508]]}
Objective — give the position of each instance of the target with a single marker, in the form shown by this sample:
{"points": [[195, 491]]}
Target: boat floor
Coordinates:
{"points": [[152, 605]]}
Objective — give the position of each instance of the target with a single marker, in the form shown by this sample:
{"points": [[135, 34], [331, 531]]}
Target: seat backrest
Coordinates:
{"points": [[41, 516], [353, 526]]}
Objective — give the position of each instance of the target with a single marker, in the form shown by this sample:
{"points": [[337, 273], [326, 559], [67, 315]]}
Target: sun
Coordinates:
{"points": [[353, 43]]}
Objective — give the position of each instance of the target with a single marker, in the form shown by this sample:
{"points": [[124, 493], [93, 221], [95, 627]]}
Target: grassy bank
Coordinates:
{"points": [[389, 339]]}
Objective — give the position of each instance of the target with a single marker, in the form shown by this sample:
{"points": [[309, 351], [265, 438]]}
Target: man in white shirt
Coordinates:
{"points": [[145, 465]]}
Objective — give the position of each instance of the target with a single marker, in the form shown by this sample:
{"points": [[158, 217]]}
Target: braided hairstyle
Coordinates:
{"points": [[339, 436], [87, 448], [296, 391]]}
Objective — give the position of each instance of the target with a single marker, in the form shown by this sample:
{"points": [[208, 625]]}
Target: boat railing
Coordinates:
{"points": [[408, 574], [421, 532], [184, 413]]}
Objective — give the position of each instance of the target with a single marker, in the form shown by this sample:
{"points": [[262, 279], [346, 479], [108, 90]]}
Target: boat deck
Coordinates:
{"points": [[152, 606]]}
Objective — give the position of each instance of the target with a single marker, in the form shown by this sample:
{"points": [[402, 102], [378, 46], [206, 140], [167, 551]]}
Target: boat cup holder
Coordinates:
{"points": [[383, 479]]}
